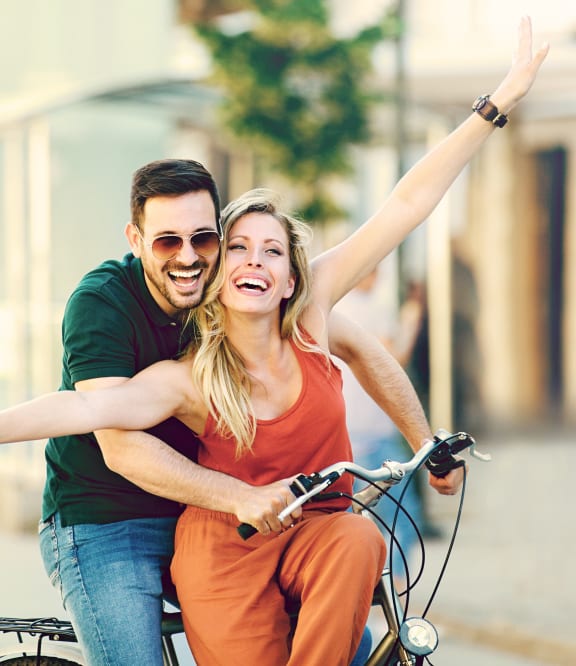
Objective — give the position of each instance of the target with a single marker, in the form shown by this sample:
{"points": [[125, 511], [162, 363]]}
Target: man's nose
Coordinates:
{"points": [[187, 254]]}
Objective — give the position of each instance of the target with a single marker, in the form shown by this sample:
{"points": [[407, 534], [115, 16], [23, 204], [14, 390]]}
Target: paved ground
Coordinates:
{"points": [[508, 596]]}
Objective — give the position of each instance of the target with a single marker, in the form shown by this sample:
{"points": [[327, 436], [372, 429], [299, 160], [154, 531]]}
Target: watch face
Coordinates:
{"points": [[480, 102]]}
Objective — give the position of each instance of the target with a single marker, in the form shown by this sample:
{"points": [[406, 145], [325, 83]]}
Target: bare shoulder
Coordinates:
{"points": [[177, 371], [181, 378], [315, 320], [166, 373]]}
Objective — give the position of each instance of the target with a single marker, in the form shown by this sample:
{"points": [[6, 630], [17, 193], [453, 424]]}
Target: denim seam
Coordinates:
{"points": [[86, 598]]}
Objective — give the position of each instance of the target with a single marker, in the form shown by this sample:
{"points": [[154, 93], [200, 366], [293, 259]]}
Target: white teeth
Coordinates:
{"points": [[185, 274], [251, 282]]}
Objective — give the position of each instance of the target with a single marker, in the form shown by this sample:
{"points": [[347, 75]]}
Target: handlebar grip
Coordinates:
{"points": [[299, 486], [442, 461], [441, 466], [245, 530]]}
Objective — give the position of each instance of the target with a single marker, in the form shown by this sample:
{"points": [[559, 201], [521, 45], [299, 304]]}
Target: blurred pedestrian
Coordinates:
{"points": [[373, 434]]}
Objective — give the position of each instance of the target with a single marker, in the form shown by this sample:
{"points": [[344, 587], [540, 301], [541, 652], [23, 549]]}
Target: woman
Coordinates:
{"points": [[265, 399]]}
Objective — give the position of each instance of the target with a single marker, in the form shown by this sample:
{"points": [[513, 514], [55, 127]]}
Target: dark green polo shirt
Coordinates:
{"points": [[112, 327]]}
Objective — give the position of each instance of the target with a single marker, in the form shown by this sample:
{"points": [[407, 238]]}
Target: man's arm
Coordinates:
{"points": [[157, 468], [386, 382]]}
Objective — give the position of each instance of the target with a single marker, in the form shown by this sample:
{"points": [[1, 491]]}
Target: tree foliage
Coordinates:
{"points": [[296, 92]]}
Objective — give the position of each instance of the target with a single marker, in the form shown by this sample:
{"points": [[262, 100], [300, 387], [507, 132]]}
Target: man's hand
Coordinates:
{"points": [[449, 484], [259, 506]]}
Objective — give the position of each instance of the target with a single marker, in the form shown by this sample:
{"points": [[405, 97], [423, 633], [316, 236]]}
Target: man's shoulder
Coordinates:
{"points": [[111, 272], [113, 290], [119, 280]]}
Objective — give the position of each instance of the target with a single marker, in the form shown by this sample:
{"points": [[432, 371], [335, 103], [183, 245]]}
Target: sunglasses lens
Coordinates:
{"points": [[205, 242], [166, 247]]}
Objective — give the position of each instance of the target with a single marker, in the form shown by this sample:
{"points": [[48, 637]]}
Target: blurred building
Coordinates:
{"points": [[89, 91], [511, 219]]}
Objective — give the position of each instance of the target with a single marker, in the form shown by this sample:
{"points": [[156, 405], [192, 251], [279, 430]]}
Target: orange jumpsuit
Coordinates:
{"points": [[235, 594]]}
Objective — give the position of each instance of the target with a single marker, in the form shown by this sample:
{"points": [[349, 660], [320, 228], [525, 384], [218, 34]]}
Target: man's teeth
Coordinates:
{"points": [[186, 275]]}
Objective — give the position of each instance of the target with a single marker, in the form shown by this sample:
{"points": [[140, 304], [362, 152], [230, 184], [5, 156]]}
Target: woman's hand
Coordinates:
{"points": [[523, 71]]}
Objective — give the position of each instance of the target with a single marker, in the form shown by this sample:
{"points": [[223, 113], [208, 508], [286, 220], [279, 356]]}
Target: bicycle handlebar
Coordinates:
{"points": [[437, 454]]}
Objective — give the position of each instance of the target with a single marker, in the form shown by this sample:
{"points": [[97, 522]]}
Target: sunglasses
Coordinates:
{"points": [[164, 248]]}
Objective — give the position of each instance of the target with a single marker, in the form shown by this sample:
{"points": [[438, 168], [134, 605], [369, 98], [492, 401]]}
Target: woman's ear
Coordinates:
{"points": [[290, 287]]}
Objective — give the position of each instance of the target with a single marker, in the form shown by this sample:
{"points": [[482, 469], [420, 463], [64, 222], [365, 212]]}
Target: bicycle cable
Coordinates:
{"points": [[451, 544], [394, 541], [410, 585], [400, 509], [396, 547]]}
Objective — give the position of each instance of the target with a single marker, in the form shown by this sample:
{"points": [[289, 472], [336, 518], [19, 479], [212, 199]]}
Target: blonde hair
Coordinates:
{"points": [[218, 369]]}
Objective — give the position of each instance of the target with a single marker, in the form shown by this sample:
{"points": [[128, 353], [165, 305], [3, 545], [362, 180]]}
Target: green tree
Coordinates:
{"points": [[298, 95]]}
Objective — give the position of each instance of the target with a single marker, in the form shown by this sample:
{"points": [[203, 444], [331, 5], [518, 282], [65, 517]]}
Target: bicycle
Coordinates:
{"points": [[407, 641]]}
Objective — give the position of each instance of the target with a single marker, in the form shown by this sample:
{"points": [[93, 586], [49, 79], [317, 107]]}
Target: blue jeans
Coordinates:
{"points": [[363, 651], [110, 580]]}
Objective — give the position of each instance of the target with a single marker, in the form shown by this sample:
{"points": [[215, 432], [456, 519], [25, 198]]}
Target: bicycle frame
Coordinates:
{"points": [[386, 597]]}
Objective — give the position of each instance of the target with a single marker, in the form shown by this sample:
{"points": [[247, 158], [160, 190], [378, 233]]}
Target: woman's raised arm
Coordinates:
{"points": [[339, 269]]}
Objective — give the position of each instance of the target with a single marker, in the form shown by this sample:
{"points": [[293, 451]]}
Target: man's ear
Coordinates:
{"points": [[131, 233]]}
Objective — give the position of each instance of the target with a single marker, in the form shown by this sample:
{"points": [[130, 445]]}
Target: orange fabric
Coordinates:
{"points": [[309, 436], [233, 593]]}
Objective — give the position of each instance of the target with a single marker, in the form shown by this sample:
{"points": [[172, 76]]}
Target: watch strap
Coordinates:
{"points": [[486, 109]]}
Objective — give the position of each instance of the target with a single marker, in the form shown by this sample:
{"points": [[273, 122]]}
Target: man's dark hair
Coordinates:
{"points": [[170, 177]]}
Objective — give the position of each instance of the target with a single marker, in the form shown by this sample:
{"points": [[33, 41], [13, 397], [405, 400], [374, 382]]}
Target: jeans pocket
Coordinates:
{"points": [[44, 525], [50, 552]]}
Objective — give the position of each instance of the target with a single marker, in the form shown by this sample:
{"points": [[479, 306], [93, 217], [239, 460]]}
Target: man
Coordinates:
{"points": [[112, 498]]}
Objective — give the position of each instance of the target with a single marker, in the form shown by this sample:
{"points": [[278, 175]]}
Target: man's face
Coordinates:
{"points": [[177, 283]]}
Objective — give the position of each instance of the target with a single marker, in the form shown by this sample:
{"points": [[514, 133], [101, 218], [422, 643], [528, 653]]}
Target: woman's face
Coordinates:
{"points": [[256, 265]]}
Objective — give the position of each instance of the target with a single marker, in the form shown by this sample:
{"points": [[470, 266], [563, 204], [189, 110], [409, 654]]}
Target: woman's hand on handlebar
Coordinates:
{"points": [[259, 506], [449, 484]]}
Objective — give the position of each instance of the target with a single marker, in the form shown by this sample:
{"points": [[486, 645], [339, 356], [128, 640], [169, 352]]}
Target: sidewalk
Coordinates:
{"points": [[510, 584]]}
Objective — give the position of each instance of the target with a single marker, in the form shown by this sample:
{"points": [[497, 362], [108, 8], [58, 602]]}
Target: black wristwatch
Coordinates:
{"points": [[489, 111]]}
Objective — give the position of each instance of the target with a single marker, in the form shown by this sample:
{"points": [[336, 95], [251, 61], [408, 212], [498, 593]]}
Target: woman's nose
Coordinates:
{"points": [[254, 258]]}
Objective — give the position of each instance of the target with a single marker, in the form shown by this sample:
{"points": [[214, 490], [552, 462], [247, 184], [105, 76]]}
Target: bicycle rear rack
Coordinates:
{"points": [[55, 629]]}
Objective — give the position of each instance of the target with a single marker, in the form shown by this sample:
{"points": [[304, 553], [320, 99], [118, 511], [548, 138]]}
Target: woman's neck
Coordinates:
{"points": [[276, 376], [256, 338]]}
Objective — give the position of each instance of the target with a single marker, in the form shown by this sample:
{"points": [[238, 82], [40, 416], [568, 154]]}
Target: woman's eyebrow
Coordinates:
{"points": [[266, 240]]}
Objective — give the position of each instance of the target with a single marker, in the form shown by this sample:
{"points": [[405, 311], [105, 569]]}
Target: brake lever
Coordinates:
{"points": [[311, 489], [485, 457]]}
